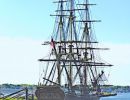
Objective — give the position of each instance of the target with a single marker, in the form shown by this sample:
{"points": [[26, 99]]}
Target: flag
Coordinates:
{"points": [[52, 43]]}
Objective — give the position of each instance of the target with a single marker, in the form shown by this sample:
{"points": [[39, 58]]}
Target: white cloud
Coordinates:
{"points": [[119, 56], [18, 60]]}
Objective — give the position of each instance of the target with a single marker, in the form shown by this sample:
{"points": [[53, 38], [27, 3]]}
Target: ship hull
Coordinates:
{"points": [[56, 93], [85, 97]]}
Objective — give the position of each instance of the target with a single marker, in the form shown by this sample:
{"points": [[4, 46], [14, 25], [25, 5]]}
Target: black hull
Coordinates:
{"points": [[55, 93]]}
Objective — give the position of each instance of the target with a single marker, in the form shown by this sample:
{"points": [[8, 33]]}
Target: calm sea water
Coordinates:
{"points": [[120, 96]]}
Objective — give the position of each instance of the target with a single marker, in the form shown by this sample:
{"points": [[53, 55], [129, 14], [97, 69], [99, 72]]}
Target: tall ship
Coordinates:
{"points": [[73, 70]]}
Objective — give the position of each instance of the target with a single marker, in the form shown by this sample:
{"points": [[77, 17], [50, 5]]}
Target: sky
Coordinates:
{"points": [[25, 24]]}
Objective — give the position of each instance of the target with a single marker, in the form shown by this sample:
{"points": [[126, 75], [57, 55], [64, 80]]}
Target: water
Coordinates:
{"points": [[120, 96], [7, 91]]}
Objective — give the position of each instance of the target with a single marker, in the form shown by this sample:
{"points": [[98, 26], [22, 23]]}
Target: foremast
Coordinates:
{"points": [[73, 51]]}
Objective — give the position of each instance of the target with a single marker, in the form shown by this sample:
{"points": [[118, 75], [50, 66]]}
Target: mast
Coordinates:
{"points": [[71, 17], [86, 39], [61, 37]]}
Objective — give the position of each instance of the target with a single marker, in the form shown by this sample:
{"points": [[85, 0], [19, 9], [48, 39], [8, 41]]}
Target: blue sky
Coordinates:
{"points": [[24, 18], [25, 24], [30, 18]]}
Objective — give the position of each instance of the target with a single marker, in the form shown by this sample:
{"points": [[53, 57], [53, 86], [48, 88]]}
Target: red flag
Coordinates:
{"points": [[52, 43]]}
